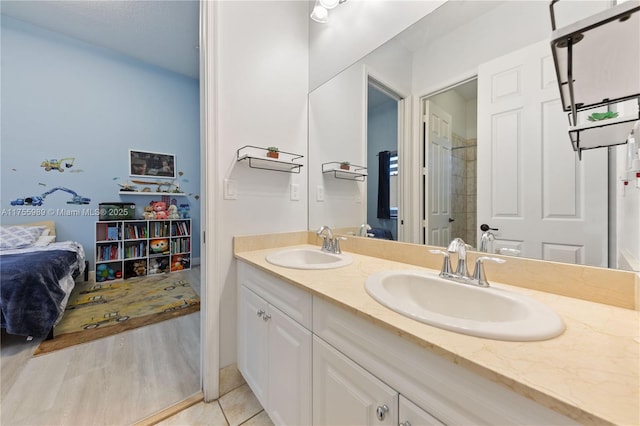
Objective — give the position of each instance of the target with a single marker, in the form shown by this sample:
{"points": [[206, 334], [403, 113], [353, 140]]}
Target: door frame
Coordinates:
{"points": [[209, 147], [404, 143], [420, 174]]}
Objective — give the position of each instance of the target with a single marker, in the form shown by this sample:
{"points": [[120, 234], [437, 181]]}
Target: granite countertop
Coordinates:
{"points": [[589, 373]]}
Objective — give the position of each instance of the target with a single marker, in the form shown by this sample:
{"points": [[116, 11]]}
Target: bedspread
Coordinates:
{"points": [[31, 297]]}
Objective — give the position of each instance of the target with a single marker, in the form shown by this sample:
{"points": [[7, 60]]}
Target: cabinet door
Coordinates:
{"points": [[253, 342], [412, 415], [289, 370], [346, 394]]}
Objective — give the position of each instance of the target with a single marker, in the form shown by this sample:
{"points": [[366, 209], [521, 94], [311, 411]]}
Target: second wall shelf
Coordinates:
{"points": [[354, 172]]}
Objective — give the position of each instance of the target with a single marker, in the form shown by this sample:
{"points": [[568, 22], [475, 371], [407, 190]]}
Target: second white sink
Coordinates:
{"points": [[308, 258], [484, 312]]}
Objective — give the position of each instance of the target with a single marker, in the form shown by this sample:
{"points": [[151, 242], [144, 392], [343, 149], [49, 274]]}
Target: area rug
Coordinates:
{"points": [[97, 310]]}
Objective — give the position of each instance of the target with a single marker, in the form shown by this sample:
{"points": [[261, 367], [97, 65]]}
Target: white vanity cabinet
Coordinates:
{"points": [[346, 394], [363, 373], [274, 350], [409, 414]]}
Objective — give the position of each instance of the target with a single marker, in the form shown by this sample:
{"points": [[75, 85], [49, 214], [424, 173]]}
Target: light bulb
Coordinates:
{"points": [[329, 4], [319, 14]]}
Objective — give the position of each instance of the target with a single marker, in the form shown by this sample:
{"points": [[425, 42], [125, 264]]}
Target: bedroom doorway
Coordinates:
{"points": [[165, 356]]}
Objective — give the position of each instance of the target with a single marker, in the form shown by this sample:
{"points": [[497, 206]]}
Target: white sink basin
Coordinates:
{"points": [[308, 258], [484, 312]]}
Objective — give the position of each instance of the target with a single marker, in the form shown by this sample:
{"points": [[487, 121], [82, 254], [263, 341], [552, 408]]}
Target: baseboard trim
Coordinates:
{"points": [[170, 411]]}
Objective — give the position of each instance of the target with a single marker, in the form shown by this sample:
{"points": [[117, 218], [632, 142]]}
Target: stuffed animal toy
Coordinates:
{"points": [[184, 211], [149, 214], [155, 267], [159, 245], [160, 209], [140, 268], [173, 212], [176, 265], [103, 272]]}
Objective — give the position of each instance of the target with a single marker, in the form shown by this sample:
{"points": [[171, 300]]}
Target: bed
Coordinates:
{"points": [[37, 275]]}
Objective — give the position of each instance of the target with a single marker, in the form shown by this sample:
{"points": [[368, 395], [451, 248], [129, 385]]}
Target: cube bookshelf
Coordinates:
{"points": [[134, 248]]}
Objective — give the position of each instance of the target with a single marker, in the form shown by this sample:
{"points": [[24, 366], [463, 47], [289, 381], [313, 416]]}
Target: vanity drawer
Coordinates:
{"points": [[294, 302]]}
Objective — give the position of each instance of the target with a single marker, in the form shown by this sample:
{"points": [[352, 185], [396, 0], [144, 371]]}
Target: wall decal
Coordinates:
{"points": [[38, 200], [58, 165]]}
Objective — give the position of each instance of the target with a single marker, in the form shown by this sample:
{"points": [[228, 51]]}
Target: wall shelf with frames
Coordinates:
{"points": [[257, 159], [596, 61], [354, 172]]}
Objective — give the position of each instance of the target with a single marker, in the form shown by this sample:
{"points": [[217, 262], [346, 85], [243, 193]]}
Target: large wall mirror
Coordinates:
{"points": [[458, 123]]}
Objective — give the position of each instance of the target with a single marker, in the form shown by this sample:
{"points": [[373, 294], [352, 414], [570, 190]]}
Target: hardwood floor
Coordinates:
{"points": [[112, 381]]}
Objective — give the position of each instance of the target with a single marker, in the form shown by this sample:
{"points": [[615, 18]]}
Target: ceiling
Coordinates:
{"points": [[162, 33]]}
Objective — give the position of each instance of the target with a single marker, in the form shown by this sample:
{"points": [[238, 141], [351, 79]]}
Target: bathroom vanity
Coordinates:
{"points": [[317, 349]]}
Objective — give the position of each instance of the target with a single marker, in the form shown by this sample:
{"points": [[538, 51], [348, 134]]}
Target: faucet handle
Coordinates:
{"points": [[478, 273], [446, 264], [336, 244]]}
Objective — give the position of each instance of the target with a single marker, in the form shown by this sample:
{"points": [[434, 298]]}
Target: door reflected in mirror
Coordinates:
{"points": [[382, 160], [449, 143]]}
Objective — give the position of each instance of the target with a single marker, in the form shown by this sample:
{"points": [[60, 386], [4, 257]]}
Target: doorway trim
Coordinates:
{"points": [[209, 146], [419, 155], [404, 100]]}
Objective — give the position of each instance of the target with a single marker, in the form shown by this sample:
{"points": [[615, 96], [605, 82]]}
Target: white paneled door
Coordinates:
{"points": [[531, 186], [438, 150]]}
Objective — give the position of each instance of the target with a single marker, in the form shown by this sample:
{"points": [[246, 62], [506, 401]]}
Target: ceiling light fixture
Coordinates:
{"points": [[321, 8], [328, 4], [319, 13]]}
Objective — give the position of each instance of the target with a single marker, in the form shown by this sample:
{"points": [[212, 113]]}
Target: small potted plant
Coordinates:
{"points": [[273, 152], [345, 165]]}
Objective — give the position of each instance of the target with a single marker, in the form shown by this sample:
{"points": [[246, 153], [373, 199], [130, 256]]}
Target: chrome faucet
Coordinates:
{"points": [[460, 247], [461, 274], [329, 243], [487, 237], [364, 230]]}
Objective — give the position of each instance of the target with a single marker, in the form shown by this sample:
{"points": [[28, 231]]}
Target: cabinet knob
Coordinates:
{"points": [[381, 412], [260, 312], [407, 423], [266, 317]]}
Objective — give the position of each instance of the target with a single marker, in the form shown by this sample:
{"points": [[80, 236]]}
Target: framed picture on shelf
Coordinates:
{"points": [[152, 164]]}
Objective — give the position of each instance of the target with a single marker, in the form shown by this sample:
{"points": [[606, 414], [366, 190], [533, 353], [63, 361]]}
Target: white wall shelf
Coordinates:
{"points": [[176, 194], [596, 61], [257, 159], [354, 172]]}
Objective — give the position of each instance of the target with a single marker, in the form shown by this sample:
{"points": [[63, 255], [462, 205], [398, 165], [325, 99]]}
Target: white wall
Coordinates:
{"points": [[355, 28], [337, 133], [456, 55], [262, 84], [627, 213]]}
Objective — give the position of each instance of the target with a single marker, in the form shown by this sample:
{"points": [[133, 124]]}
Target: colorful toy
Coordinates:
{"points": [[158, 265], [159, 245], [183, 211], [173, 212], [104, 272], [160, 209], [176, 265], [149, 214]]}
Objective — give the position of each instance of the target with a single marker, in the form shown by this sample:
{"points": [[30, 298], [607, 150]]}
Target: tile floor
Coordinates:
{"points": [[236, 406]]}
